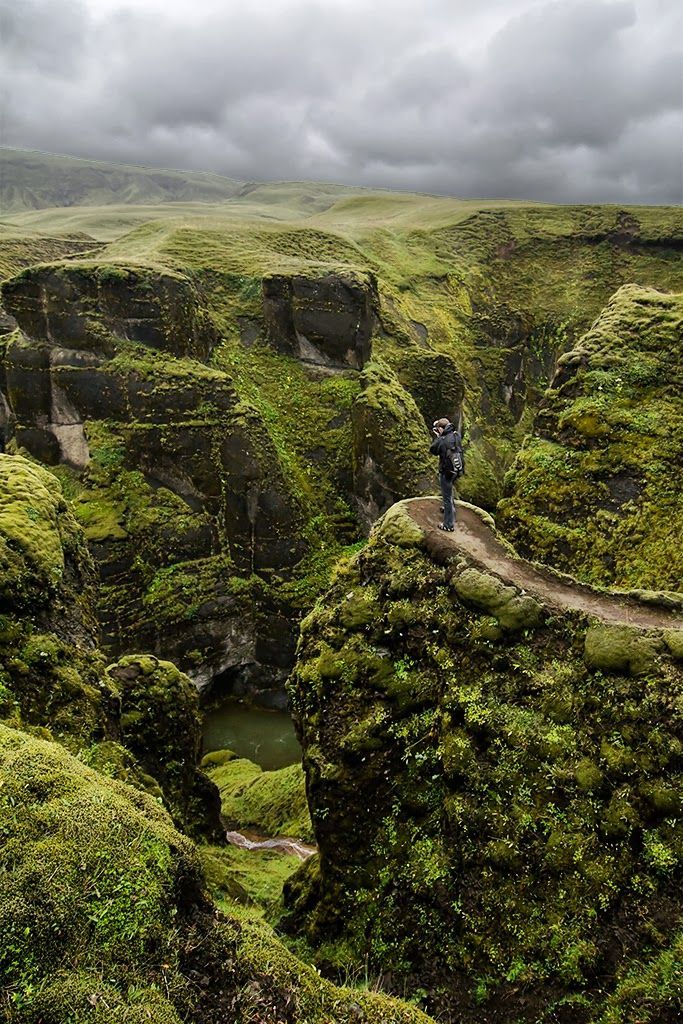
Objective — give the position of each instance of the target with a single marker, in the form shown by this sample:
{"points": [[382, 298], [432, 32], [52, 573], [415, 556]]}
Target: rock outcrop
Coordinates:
{"points": [[390, 444], [328, 321], [596, 490], [82, 306], [137, 720], [498, 773], [175, 468]]}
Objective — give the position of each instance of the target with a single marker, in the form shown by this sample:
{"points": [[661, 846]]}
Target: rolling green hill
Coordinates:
{"points": [[30, 180], [51, 195]]}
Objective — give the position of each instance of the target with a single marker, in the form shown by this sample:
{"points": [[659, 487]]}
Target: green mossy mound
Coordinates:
{"points": [[620, 649], [93, 874], [397, 527], [597, 490], [272, 803], [137, 721], [159, 701], [485, 592], [494, 789], [51, 674], [103, 916], [43, 559]]}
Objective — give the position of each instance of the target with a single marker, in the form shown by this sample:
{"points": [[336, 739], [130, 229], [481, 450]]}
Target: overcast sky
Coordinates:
{"points": [[570, 101]]}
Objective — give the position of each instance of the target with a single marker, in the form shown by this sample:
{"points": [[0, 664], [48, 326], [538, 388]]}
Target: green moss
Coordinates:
{"points": [[217, 757], [650, 992], [673, 638], [160, 724], [514, 611], [620, 649], [249, 877], [359, 609], [99, 855], [35, 530], [397, 527], [102, 916], [272, 803], [100, 517], [588, 775]]}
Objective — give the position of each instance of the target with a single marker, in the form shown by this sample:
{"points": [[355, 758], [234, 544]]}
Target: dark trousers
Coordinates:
{"points": [[446, 482]]}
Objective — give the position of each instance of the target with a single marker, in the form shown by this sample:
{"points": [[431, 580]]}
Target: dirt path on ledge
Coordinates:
{"points": [[476, 540]]}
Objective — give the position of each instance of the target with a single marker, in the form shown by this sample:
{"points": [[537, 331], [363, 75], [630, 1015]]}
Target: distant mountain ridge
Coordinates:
{"points": [[31, 180]]}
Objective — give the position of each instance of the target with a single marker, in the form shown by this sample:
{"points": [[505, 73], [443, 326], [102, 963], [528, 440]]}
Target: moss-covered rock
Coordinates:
{"points": [[77, 305], [397, 527], [673, 638], [620, 649], [597, 489], [391, 444], [157, 700], [43, 560], [93, 873], [492, 789], [51, 674], [103, 915], [435, 382], [138, 720], [326, 320], [512, 610]]}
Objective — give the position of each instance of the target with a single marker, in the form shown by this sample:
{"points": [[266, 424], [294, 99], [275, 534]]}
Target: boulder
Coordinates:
{"points": [[620, 649]]}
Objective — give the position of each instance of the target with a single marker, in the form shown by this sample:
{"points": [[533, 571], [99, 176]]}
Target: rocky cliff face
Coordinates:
{"points": [[71, 319], [186, 489], [328, 320], [596, 488], [494, 785], [104, 913]]}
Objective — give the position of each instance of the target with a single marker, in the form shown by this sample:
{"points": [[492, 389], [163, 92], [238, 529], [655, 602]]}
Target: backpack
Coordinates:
{"points": [[455, 460]]}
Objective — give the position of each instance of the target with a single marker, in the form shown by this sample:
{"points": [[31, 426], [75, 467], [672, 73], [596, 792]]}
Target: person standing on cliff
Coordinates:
{"points": [[447, 445]]}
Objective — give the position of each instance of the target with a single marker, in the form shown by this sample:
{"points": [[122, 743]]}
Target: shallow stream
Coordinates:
{"points": [[265, 737]]}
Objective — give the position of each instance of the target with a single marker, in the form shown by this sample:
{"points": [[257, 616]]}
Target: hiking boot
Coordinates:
{"points": [[448, 529]]}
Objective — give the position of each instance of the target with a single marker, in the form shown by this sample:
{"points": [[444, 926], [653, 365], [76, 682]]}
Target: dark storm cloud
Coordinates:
{"points": [[573, 100]]}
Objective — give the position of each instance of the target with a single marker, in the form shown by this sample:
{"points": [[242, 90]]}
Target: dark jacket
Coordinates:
{"points": [[441, 445]]}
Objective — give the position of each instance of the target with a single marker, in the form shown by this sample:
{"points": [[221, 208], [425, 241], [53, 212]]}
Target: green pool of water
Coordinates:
{"points": [[266, 737]]}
